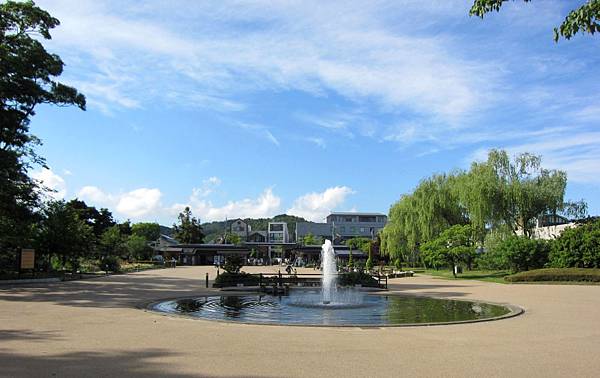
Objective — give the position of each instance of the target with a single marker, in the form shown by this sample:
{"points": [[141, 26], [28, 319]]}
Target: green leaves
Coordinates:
{"points": [[188, 230], [584, 19], [459, 209], [27, 79]]}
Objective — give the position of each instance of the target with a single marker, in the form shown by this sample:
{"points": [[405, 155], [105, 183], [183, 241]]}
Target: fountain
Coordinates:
{"points": [[329, 272], [332, 306]]}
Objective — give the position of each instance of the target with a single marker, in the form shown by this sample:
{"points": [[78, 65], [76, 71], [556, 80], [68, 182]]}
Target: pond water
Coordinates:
{"points": [[355, 308]]}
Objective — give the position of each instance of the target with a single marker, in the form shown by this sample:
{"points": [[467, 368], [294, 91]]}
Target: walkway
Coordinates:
{"points": [[93, 328]]}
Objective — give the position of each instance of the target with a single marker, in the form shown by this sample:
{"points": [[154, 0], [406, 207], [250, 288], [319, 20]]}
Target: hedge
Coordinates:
{"points": [[357, 278], [556, 274], [226, 279]]}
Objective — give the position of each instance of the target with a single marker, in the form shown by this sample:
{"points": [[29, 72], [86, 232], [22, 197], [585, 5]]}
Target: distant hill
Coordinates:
{"points": [[166, 230], [213, 230]]}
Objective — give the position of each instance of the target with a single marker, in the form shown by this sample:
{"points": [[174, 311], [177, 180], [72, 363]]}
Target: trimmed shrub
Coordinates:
{"points": [[233, 264], [577, 247], [556, 274], [357, 278], [111, 264], [521, 253], [233, 279]]}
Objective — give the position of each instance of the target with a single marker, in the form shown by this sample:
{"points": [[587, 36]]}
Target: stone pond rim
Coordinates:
{"points": [[513, 311]]}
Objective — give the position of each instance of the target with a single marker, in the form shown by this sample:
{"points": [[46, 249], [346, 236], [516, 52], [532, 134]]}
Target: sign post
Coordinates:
{"points": [[27, 260]]}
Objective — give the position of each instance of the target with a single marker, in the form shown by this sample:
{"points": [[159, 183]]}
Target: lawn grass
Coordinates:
{"points": [[496, 276]]}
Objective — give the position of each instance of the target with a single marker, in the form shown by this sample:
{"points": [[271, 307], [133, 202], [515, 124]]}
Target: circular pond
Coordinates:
{"points": [[357, 309]]}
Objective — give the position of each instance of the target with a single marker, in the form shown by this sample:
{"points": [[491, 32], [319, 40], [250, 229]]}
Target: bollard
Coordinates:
{"points": [[260, 279], [280, 279], [207, 279]]}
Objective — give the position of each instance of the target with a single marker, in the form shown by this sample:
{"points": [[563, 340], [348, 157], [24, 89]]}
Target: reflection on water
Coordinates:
{"points": [[430, 310], [374, 309]]}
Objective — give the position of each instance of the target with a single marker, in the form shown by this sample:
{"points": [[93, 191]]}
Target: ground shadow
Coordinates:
{"points": [[24, 334], [143, 363], [107, 292]]}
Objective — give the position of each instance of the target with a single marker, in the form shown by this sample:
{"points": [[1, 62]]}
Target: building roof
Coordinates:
{"points": [[303, 228], [168, 239], [355, 213]]}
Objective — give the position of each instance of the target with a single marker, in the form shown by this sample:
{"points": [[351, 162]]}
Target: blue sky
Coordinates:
{"points": [[252, 109]]}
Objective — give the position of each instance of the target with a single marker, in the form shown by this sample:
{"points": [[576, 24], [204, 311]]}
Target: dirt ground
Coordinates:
{"points": [[96, 328]]}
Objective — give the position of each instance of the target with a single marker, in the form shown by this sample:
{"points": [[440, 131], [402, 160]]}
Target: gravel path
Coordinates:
{"points": [[95, 327]]}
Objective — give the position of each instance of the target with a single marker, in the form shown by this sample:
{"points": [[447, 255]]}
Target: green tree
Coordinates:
{"points": [[452, 247], [309, 239], [350, 260], [514, 192], [63, 234], [421, 216], [99, 220], [577, 247], [369, 263], [27, 79], [231, 238], [359, 243], [522, 253], [584, 19], [112, 242], [188, 230], [150, 231], [137, 247], [125, 228]]}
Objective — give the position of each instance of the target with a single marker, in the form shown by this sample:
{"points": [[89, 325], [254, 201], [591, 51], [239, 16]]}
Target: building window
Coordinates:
{"points": [[352, 229], [342, 229], [276, 227], [367, 219]]}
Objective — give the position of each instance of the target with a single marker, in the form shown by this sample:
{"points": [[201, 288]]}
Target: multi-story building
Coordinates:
{"points": [[319, 231], [342, 226], [240, 228], [351, 225], [278, 232]]}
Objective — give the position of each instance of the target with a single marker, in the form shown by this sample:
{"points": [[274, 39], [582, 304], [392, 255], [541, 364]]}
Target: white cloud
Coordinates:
{"points": [[267, 204], [95, 195], [133, 204], [208, 186], [139, 202], [316, 206], [52, 181]]}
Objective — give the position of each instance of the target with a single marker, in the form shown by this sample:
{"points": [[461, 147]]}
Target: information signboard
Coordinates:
{"points": [[27, 259]]}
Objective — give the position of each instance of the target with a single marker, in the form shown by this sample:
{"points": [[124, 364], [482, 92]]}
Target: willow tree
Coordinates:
{"points": [[498, 194], [514, 192], [422, 216]]}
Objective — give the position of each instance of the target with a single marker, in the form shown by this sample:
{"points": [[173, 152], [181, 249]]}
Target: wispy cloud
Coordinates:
{"points": [[356, 56], [261, 131], [577, 153]]}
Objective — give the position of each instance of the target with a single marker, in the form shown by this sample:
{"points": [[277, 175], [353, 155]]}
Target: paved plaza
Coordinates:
{"points": [[97, 327]]}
